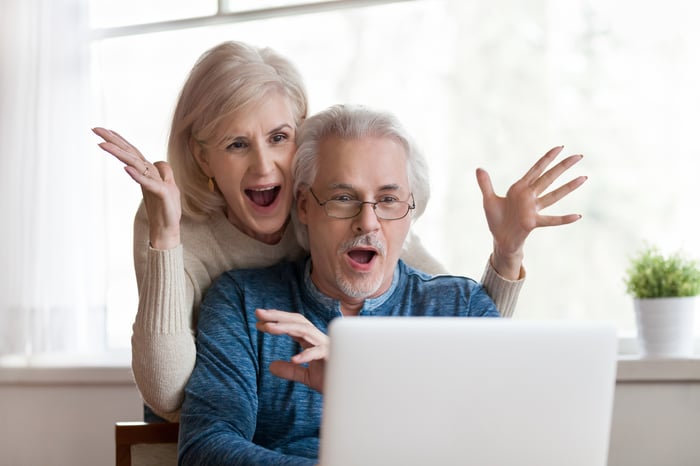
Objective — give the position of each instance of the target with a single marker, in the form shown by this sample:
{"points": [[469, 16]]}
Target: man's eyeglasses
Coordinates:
{"points": [[386, 209]]}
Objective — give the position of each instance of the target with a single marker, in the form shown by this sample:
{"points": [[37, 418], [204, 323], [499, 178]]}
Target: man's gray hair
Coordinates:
{"points": [[354, 122]]}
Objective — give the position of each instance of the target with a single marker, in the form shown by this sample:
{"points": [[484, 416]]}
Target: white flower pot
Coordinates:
{"points": [[665, 326]]}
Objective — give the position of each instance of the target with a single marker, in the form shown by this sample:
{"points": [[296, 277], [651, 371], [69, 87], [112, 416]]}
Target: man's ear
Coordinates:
{"points": [[200, 156], [302, 205]]}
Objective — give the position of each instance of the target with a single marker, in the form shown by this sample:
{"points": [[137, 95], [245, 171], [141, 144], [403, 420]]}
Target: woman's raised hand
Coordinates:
{"points": [[160, 193], [513, 217]]}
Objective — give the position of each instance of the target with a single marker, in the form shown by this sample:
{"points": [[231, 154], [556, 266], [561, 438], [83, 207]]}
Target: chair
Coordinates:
{"points": [[146, 444]]}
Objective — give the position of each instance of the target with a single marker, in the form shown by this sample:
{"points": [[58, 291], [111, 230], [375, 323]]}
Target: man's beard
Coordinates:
{"points": [[366, 285]]}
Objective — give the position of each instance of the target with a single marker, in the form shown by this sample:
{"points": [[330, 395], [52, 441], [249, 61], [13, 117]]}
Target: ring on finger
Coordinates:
{"points": [[145, 172]]}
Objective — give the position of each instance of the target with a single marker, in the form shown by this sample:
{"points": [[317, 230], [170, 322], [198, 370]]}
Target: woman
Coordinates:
{"points": [[223, 202]]}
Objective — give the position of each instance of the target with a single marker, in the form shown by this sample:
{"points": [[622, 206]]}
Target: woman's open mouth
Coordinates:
{"points": [[263, 197]]}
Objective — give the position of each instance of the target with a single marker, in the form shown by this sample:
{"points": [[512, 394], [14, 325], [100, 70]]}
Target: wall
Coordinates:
{"points": [[656, 415], [66, 416]]}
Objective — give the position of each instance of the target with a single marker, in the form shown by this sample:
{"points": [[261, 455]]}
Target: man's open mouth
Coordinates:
{"points": [[362, 256], [264, 196]]}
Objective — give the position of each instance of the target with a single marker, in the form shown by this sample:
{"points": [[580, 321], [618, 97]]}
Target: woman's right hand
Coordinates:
{"points": [[160, 193]]}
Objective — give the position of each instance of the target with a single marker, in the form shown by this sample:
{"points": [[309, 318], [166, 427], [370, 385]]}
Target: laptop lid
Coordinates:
{"points": [[467, 391]]}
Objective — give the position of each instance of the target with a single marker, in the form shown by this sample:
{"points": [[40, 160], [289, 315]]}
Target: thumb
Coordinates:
{"points": [[485, 185], [288, 370], [164, 169]]}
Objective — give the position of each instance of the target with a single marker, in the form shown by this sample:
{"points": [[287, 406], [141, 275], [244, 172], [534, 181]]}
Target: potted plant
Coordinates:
{"points": [[665, 290]]}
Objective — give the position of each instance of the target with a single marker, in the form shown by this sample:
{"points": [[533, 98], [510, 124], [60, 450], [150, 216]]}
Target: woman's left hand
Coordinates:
{"points": [[513, 217]]}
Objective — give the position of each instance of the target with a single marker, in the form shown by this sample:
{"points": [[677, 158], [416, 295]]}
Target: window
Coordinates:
{"points": [[492, 84]]}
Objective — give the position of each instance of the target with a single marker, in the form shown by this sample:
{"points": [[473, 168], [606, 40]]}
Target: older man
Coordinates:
{"points": [[360, 183]]}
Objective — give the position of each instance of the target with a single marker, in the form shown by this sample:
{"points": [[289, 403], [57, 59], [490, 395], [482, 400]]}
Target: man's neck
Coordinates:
{"points": [[351, 309]]}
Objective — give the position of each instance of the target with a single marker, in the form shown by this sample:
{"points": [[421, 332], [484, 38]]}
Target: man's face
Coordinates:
{"points": [[354, 259]]}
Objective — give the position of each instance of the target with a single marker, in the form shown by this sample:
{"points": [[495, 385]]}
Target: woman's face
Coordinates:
{"points": [[252, 167]]}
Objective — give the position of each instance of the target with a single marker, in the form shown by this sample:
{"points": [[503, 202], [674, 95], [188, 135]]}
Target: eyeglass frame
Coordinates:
{"points": [[411, 206]]}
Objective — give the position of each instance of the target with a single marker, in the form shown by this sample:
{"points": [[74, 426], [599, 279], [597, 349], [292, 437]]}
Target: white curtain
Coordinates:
{"points": [[53, 283]]}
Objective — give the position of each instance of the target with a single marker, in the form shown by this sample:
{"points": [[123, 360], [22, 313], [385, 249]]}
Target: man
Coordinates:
{"points": [[359, 184]]}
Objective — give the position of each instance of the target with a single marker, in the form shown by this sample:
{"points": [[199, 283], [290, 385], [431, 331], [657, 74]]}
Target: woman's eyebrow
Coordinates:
{"points": [[280, 127]]}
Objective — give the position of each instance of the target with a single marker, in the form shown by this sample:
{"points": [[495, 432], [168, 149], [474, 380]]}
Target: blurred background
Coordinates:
{"points": [[492, 84]]}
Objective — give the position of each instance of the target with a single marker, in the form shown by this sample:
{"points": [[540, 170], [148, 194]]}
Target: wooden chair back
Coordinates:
{"points": [[146, 444]]}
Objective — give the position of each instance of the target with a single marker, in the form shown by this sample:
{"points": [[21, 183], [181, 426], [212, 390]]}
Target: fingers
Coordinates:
{"points": [[132, 158], [147, 176], [556, 220], [306, 367], [313, 353], [544, 181], [536, 177], [165, 171], [136, 164], [554, 196], [542, 164], [314, 342], [289, 371], [295, 325], [312, 378], [115, 138]]}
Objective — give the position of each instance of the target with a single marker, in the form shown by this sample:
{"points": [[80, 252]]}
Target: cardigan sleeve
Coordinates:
{"points": [[163, 346], [504, 292]]}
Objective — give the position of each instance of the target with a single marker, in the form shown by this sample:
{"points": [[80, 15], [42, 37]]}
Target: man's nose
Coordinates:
{"points": [[367, 219]]}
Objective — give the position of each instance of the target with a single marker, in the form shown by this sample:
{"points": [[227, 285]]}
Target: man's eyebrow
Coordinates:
{"points": [[386, 187], [341, 186]]}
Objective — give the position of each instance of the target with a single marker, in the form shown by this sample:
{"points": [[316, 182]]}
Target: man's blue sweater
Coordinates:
{"points": [[235, 411]]}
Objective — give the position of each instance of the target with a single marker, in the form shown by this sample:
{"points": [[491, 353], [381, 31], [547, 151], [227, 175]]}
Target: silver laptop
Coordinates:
{"points": [[467, 391]]}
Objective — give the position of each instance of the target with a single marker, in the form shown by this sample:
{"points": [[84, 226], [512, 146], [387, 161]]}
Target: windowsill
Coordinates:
{"points": [[108, 368], [630, 369], [62, 376]]}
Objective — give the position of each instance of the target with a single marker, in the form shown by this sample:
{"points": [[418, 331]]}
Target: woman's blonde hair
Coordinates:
{"points": [[224, 80]]}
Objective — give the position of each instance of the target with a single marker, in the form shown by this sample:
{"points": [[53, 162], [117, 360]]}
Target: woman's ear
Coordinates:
{"points": [[200, 155], [302, 205]]}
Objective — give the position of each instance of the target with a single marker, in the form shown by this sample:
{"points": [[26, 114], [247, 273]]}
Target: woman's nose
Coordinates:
{"points": [[263, 160]]}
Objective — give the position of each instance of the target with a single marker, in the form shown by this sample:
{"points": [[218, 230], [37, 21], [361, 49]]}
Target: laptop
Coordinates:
{"points": [[467, 391]]}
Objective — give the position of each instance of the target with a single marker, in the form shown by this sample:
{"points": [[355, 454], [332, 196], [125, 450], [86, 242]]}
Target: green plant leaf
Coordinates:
{"points": [[653, 275]]}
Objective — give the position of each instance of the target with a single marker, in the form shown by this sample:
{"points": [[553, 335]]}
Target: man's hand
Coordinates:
{"points": [[307, 367], [513, 217]]}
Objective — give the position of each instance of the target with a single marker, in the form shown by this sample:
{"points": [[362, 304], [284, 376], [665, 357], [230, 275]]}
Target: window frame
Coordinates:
{"points": [[226, 15]]}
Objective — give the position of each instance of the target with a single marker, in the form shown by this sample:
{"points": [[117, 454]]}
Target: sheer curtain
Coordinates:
{"points": [[53, 286]]}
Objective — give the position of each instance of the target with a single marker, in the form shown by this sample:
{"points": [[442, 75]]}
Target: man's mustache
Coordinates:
{"points": [[370, 240]]}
